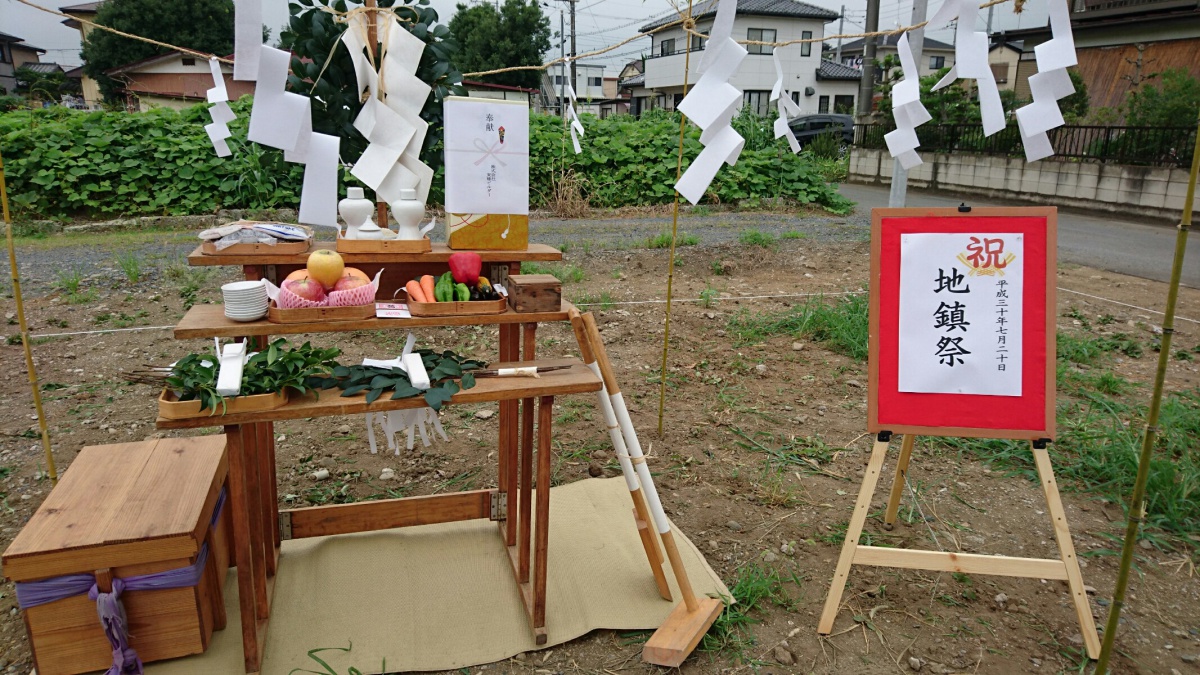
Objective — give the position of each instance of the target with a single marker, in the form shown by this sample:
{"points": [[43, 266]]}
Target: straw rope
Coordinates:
{"points": [[687, 24]]}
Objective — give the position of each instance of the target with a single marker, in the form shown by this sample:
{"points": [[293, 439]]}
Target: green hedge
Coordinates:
{"points": [[66, 164]]}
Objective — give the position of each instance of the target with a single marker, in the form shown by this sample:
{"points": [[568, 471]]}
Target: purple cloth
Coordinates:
{"points": [[108, 605]]}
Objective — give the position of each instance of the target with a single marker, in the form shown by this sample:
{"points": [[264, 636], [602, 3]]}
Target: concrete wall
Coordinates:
{"points": [[1117, 188]]}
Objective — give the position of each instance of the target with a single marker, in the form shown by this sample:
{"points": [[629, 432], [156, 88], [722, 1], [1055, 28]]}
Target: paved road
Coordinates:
{"points": [[1116, 243]]}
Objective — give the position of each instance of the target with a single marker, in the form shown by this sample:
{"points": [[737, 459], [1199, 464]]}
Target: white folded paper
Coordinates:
{"points": [[247, 38], [971, 60], [220, 112], [711, 104], [1049, 85], [576, 124], [907, 108], [785, 105], [278, 114]]}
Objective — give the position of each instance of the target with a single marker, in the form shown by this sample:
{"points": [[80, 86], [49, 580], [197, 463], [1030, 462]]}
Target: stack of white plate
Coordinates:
{"points": [[245, 300]]}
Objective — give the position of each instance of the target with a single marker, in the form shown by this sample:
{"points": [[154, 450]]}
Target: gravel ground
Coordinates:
{"points": [[45, 263]]}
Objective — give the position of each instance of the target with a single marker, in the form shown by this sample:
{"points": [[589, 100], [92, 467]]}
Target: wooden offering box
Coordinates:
{"points": [[280, 248], [311, 314], [171, 408], [121, 511], [421, 245], [534, 292], [467, 308]]}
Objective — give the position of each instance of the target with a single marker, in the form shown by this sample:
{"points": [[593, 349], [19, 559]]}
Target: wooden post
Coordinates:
{"points": [[381, 207], [893, 507]]}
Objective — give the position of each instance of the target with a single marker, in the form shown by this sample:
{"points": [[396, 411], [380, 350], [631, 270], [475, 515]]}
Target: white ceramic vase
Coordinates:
{"points": [[356, 211], [409, 213]]}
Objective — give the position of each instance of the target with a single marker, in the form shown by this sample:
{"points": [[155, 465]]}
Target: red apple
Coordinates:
{"points": [[350, 282], [306, 288]]}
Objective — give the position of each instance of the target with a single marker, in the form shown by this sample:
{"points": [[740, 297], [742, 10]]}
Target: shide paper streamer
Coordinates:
{"points": [[711, 104], [1050, 84], [787, 107], [221, 113], [971, 60], [576, 124], [907, 108]]}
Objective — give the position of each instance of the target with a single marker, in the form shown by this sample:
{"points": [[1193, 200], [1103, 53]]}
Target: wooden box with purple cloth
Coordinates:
{"points": [[125, 560]]}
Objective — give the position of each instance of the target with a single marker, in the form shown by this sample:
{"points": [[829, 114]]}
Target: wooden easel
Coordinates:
{"points": [[1065, 568]]}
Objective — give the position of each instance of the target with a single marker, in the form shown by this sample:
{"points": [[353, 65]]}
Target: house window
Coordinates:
{"points": [[805, 47], [676, 100], [660, 101], [796, 97], [5, 54], [189, 60], [595, 81], [823, 104], [1000, 72], [698, 43], [666, 47], [559, 79], [760, 35], [758, 101], [843, 105], [937, 62]]}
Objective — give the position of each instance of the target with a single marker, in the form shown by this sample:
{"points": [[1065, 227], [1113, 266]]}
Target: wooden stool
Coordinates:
{"points": [[135, 524]]}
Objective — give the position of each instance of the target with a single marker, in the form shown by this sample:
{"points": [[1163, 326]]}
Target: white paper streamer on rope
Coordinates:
{"points": [[971, 60], [907, 109], [278, 115], [1049, 85], [576, 124], [722, 28], [247, 38], [711, 104], [786, 106], [222, 115]]}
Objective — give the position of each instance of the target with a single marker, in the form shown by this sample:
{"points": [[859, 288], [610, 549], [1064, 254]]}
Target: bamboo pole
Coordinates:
{"points": [[1137, 502], [16, 282], [662, 376]]}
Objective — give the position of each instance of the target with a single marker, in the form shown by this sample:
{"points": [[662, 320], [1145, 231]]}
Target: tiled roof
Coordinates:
{"points": [[786, 8], [633, 81], [891, 40], [836, 71], [82, 8], [43, 68]]}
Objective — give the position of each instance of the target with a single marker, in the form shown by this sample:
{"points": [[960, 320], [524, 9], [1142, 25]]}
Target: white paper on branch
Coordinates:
{"points": [[355, 40], [278, 115], [299, 154], [389, 135], [247, 38], [318, 200], [961, 306], [487, 156]]}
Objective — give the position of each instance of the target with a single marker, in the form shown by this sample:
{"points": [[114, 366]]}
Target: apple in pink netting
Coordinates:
{"points": [[348, 283], [306, 288]]}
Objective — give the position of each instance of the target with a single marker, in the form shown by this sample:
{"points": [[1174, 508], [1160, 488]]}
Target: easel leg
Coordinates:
{"points": [[1062, 534], [834, 600], [893, 506]]}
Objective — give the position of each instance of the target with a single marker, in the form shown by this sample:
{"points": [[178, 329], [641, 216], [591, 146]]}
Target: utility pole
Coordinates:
{"points": [[866, 86], [574, 82], [562, 68], [837, 57], [916, 40], [991, 9]]}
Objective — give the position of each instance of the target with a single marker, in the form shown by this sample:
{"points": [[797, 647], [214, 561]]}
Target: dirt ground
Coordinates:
{"points": [[741, 510]]}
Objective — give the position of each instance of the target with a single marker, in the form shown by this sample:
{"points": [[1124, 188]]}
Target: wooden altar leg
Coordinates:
{"points": [[258, 572], [274, 501], [239, 508], [870, 480], [893, 506], [1062, 534], [267, 509], [542, 524], [510, 339], [526, 492]]}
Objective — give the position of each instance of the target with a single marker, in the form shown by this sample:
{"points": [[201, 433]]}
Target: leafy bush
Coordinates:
{"points": [[65, 164], [827, 145]]}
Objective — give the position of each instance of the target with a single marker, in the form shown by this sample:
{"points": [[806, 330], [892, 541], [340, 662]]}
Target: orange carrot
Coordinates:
{"points": [[427, 283], [415, 294]]}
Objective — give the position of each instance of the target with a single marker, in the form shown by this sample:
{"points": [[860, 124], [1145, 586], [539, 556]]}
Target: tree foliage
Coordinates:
{"points": [[1170, 103], [322, 69], [516, 34], [203, 25], [43, 86]]}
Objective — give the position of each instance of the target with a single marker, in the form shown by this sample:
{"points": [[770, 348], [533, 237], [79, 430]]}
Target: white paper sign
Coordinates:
{"points": [[960, 313], [487, 156]]}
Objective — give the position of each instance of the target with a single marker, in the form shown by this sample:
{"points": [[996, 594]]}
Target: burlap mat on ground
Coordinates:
{"points": [[439, 597]]}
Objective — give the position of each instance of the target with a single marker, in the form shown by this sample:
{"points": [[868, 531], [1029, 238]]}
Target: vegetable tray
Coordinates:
{"points": [[314, 314], [454, 308], [421, 245], [171, 408]]}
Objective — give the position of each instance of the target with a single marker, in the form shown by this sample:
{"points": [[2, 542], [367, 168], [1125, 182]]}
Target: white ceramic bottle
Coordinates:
{"points": [[356, 211], [409, 213]]}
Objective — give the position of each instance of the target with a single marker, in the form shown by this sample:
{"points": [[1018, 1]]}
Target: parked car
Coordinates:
{"points": [[808, 127]]}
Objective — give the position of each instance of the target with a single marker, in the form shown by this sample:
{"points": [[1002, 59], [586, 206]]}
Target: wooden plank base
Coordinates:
{"points": [[385, 514], [675, 639]]}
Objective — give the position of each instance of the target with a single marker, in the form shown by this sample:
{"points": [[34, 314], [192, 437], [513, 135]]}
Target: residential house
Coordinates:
{"points": [[172, 80], [15, 53], [1004, 57], [589, 85], [935, 54], [632, 83], [1119, 44], [86, 11], [838, 89], [501, 92], [760, 20]]}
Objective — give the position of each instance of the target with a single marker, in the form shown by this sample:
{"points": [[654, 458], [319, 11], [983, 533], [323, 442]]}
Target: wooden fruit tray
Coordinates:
{"points": [[312, 314], [171, 408], [421, 245], [454, 308], [281, 248]]}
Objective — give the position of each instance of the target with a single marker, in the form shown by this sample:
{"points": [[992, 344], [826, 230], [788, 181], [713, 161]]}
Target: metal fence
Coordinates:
{"points": [[1153, 146]]}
